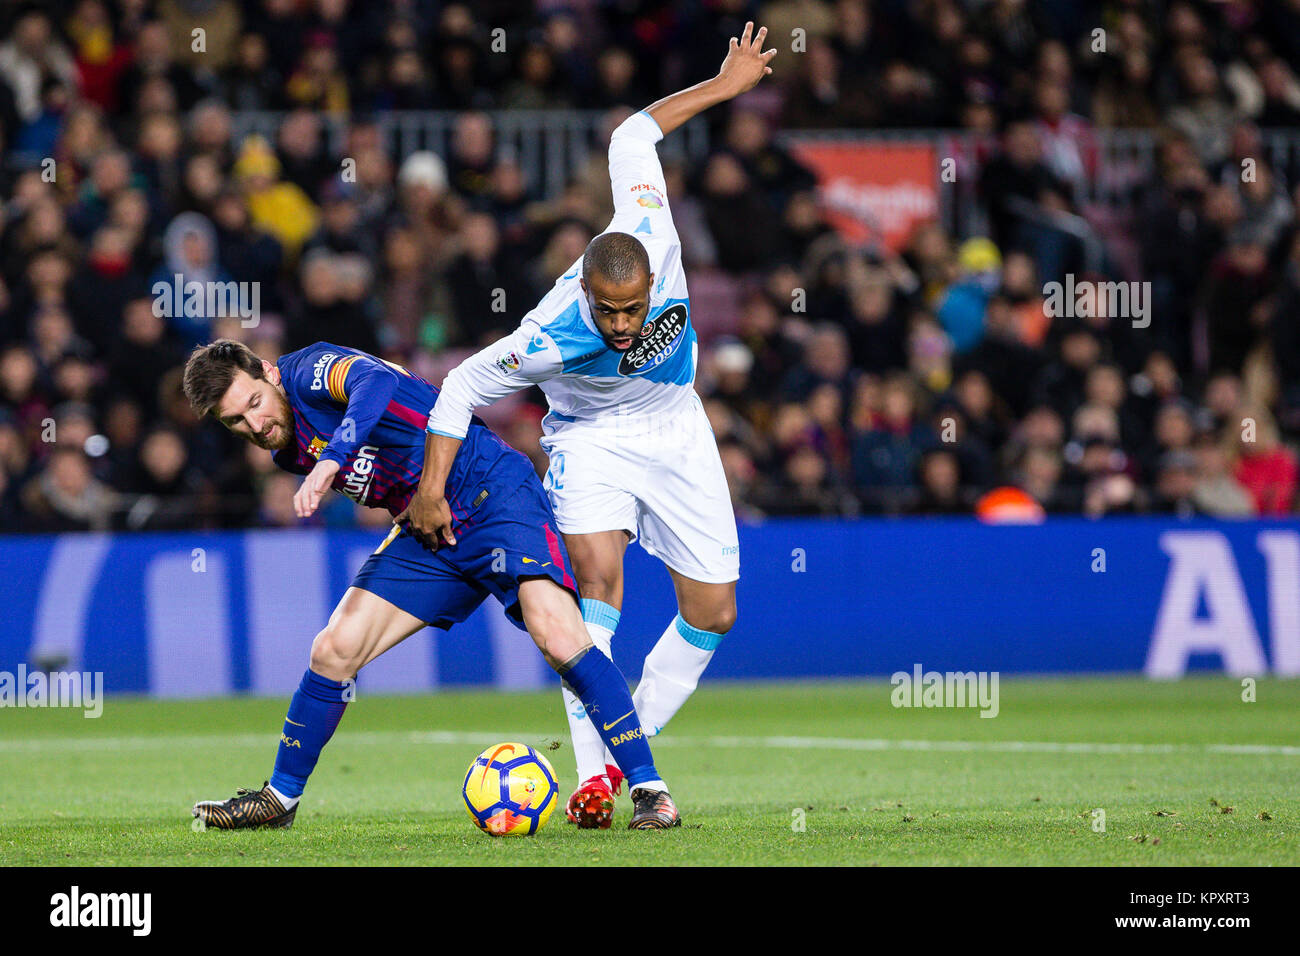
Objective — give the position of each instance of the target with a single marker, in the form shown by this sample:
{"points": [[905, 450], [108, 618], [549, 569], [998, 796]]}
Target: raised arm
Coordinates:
{"points": [[745, 65], [635, 174]]}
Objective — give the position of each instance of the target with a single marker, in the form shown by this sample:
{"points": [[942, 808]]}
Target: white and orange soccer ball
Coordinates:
{"points": [[510, 790]]}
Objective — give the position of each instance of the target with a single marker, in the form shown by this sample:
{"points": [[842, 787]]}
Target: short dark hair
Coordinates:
{"points": [[210, 370], [615, 256]]}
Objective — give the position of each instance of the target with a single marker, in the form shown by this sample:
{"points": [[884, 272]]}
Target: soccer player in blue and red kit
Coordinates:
{"points": [[349, 421]]}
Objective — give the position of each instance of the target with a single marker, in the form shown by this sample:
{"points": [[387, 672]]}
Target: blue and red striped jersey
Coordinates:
{"points": [[369, 415]]}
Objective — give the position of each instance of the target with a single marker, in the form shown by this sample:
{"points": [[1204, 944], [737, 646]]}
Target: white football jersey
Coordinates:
{"points": [[557, 345]]}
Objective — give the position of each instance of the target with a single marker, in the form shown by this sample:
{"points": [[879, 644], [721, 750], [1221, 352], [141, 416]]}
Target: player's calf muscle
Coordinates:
{"points": [[553, 620], [604, 587]]}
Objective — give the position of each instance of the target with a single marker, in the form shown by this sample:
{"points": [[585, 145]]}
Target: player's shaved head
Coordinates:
{"points": [[616, 279], [615, 257]]}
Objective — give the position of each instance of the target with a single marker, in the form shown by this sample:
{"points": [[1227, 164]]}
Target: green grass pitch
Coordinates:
{"points": [[795, 773]]}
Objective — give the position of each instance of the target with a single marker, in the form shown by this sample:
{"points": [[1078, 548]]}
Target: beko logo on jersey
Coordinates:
{"points": [[357, 484], [318, 370], [658, 340]]}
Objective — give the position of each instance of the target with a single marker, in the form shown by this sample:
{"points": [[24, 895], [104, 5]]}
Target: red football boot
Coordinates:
{"points": [[591, 806]]}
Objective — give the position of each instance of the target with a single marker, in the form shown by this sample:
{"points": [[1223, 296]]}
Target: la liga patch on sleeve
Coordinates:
{"points": [[508, 362]]}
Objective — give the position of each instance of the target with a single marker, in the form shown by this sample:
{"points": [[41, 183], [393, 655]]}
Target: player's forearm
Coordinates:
{"points": [[439, 453], [682, 106]]}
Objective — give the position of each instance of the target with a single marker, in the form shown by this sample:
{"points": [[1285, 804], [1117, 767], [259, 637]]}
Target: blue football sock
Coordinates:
{"points": [[314, 713], [603, 691]]}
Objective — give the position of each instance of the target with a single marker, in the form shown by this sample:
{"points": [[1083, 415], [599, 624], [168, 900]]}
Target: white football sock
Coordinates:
{"points": [[588, 746], [671, 671], [288, 802]]}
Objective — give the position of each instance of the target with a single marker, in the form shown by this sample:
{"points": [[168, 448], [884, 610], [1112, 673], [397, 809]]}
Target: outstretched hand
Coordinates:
{"points": [[746, 61], [308, 497]]}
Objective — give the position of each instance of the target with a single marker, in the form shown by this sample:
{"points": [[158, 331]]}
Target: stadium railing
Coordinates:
{"points": [[549, 145]]}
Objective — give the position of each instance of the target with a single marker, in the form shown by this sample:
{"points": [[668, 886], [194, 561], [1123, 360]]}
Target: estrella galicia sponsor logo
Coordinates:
{"points": [[660, 337], [75, 908], [318, 370], [357, 484]]}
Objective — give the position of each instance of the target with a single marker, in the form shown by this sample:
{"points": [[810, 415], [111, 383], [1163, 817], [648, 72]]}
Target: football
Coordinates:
{"points": [[510, 790]]}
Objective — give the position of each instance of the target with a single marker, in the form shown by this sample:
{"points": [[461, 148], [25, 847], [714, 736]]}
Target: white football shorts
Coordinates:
{"points": [[657, 477]]}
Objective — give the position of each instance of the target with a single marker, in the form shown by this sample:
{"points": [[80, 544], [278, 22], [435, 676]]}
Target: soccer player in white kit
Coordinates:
{"points": [[631, 451]]}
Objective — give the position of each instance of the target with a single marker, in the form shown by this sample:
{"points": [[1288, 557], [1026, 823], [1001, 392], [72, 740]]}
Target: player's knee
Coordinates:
{"points": [[717, 618], [335, 654], [561, 644]]}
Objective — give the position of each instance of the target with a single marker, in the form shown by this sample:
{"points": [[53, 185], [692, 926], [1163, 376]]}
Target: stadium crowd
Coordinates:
{"points": [[839, 380]]}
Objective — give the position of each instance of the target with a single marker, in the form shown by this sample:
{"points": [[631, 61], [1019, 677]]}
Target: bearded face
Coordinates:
{"points": [[257, 411]]}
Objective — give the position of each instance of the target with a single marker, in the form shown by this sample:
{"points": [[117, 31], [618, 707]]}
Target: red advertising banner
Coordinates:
{"points": [[873, 191]]}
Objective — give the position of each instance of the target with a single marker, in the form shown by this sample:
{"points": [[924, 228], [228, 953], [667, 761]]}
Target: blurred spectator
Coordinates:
{"points": [[886, 455], [29, 56], [184, 282], [1217, 492], [1176, 484], [940, 484], [837, 375], [280, 208], [1264, 467], [65, 496], [825, 360]]}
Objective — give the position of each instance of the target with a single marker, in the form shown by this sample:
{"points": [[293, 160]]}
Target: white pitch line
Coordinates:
{"points": [[91, 744]]}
